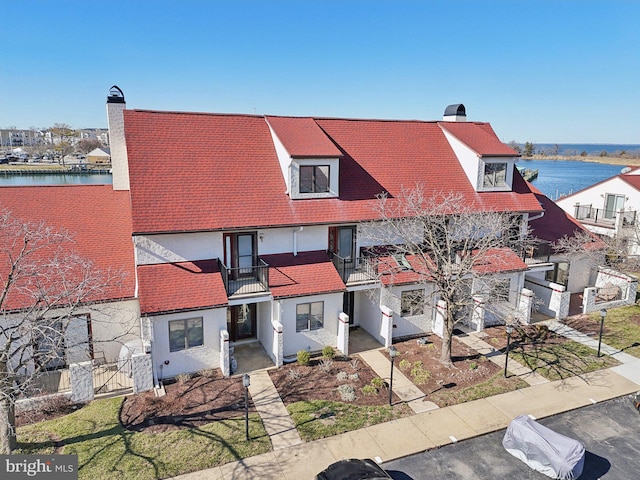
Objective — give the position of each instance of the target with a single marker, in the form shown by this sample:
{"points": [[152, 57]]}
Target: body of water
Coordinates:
{"points": [[25, 180], [563, 177]]}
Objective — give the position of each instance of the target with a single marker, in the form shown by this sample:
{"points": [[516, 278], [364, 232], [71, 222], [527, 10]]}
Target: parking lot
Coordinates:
{"points": [[610, 432]]}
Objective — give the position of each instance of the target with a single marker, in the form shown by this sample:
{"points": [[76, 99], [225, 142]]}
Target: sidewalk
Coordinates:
{"points": [[434, 427]]}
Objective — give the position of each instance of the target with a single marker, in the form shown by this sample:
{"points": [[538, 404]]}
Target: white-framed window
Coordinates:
{"points": [[185, 334], [495, 175], [309, 316], [411, 303], [314, 178]]}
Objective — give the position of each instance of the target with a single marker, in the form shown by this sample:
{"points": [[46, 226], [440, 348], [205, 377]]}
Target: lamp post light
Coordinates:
{"points": [[603, 314], [246, 381], [506, 359], [392, 354]]}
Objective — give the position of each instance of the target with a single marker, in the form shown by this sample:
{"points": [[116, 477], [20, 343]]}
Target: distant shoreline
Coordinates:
{"points": [[626, 161]]}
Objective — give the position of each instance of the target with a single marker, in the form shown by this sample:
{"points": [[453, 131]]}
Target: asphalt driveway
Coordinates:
{"points": [[610, 432]]}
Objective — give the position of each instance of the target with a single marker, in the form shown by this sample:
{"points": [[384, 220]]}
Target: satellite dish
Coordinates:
{"points": [[625, 170]]}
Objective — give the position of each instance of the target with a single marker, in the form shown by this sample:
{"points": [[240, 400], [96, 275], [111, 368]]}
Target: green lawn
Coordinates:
{"points": [[558, 361], [621, 328], [324, 418], [106, 450], [495, 385]]}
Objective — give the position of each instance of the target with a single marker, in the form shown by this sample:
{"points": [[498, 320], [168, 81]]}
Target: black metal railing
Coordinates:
{"points": [[355, 270], [245, 280], [537, 253], [604, 216]]}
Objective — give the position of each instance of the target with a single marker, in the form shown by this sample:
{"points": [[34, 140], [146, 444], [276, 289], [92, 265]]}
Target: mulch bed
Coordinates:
{"points": [[420, 362], [187, 404], [525, 337], [296, 383]]}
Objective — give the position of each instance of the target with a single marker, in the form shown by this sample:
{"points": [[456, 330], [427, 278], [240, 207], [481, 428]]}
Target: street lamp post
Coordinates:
{"points": [[506, 359], [392, 354], [246, 381], [603, 314]]}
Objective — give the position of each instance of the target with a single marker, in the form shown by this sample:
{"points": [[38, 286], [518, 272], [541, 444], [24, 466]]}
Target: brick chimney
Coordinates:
{"points": [[117, 141]]}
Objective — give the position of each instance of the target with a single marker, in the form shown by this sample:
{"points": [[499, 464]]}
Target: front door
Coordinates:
{"points": [[347, 305], [240, 254], [241, 322]]}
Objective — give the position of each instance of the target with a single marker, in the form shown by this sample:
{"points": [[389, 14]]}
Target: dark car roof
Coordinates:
{"points": [[353, 469]]}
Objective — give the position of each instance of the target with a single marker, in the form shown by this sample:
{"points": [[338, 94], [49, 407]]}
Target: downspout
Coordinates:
{"points": [[536, 217], [295, 240]]}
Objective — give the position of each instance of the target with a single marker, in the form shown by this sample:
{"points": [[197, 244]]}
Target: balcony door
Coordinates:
{"points": [[342, 241], [613, 204], [240, 254]]}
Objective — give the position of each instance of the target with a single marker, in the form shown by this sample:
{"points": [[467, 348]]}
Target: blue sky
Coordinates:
{"points": [[540, 71]]}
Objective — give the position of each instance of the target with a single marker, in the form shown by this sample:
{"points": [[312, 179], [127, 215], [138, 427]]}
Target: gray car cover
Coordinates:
{"points": [[544, 450]]}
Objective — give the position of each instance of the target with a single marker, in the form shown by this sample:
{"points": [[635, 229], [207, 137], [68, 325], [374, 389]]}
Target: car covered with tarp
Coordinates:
{"points": [[543, 449]]}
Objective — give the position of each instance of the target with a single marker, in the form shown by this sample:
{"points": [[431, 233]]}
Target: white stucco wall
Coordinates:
{"points": [[596, 195], [312, 340], [191, 359], [409, 325]]}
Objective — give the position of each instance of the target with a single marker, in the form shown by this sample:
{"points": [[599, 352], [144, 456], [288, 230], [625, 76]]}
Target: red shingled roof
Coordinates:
{"points": [[308, 273], [555, 223], [479, 137], [171, 287], [98, 218], [200, 172], [302, 137]]}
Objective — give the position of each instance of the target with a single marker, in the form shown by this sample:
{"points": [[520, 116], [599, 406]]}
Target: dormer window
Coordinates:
{"points": [[495, 175], [314, 178]]}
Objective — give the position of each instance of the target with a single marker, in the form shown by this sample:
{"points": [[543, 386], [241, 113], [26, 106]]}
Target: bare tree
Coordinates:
{"points": [[452, 249], [44, 285], [65, 135], [86, 145]]}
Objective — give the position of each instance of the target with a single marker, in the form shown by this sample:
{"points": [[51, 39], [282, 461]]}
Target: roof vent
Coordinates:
{"points": [[115, 95], [455, 113]]}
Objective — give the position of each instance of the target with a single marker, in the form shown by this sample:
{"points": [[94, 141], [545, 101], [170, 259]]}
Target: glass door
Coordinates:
{"points": [[241, 322], [613, 204]]}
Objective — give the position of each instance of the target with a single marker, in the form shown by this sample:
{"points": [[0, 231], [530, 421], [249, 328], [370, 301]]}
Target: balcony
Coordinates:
{"points": [[358, 270], [605, 217], [245, 280], [537, 253]]}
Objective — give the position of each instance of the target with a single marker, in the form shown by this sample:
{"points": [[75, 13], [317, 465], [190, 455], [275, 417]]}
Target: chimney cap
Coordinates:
{"points": [[115, 95], [455, 110]]}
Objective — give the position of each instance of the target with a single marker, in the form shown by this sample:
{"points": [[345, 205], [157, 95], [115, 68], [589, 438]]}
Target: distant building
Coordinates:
{"points": [[99, 155]]}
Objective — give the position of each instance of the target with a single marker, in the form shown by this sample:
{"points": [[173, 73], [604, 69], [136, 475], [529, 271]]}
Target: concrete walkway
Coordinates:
{"points": [[473, 340], [273, 413], [402, 386], [425, 430]]}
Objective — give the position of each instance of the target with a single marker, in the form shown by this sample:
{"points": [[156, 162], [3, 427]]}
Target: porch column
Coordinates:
{"points": [[589, 299], [225, 367], [386, 325], [559, 301], [142, 372], [81, 382], [477, 316], [343, 333], [525, 306], [278, 343], [437, 326]]}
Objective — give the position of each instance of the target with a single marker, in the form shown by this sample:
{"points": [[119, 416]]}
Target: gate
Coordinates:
{"points": [[113, 377]]}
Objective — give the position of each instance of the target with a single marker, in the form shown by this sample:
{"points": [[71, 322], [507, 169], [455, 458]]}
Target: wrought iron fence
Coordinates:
{"points": [[112, 377], [245, 280], [360, 269]]}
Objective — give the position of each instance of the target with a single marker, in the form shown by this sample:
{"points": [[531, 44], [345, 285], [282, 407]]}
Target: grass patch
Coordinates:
{"points": [[106, 450], [621, 328], [558, 361], [494, 385], [323, 418]]}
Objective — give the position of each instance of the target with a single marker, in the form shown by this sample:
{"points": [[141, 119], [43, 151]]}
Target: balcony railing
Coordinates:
{"points": [[605, 217], [355, 270], [537, 253], [245, 280]]}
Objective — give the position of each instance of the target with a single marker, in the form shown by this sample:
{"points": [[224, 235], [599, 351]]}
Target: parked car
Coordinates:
{"points": [[353, 469]]}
